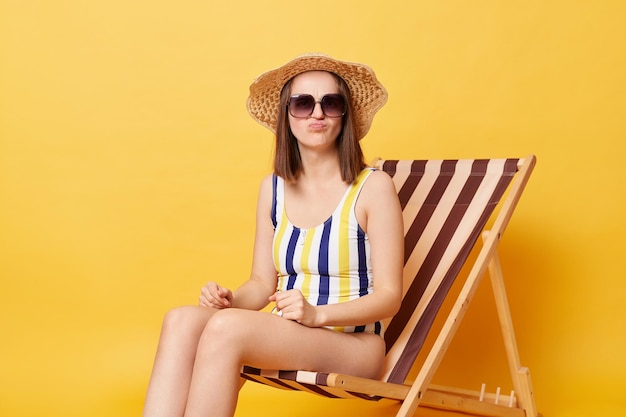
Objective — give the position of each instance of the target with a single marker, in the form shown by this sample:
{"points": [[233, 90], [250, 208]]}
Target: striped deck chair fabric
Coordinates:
{"points": [[446, 206]]}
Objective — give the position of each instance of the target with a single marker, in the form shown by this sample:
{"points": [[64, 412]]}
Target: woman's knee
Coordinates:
{"points": [[185, 320], [225, 326]]}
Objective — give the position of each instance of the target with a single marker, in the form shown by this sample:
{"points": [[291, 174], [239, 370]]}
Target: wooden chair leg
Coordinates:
{"points": [[519, 374]]}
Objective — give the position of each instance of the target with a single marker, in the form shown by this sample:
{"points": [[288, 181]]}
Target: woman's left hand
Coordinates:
{"points": [[293, 306]]}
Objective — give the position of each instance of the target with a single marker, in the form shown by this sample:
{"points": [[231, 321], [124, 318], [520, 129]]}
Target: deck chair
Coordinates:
{"points": [[446, 206]]}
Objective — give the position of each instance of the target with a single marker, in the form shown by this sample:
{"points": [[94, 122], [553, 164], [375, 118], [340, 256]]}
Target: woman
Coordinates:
{"points": [[327, 253]]}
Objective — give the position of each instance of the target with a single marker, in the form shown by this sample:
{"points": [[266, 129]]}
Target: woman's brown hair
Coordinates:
{"points": [[287, 161]]}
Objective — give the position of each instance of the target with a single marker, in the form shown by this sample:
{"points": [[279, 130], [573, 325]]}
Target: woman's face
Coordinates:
{"points": [[316, 130]]}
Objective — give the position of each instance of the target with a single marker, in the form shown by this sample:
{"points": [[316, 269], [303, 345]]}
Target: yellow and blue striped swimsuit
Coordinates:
{"points": [[329, 263]]}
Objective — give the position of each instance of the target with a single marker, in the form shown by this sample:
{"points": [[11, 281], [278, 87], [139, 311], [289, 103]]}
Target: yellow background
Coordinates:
{"points": [[129, 170]]}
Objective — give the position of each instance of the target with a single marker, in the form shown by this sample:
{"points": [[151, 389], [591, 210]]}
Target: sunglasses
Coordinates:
{"points": [[302, 106]]}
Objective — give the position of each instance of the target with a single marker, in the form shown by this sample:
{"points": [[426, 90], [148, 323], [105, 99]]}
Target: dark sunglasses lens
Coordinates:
{"points": [[334, 105], [302, 105]]}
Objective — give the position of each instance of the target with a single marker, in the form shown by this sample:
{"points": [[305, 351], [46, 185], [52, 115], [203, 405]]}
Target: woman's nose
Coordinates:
{"points": [[318, 113]]}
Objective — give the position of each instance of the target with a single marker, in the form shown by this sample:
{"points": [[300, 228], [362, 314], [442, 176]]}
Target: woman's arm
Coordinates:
{"points": [[379, 214], [254, 293]]}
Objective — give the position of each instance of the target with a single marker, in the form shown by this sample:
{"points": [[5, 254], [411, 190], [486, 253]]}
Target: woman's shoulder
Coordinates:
{"points": [[265, 188], [267, 180], [379, 188], [378, 201], [379, 181], [265, 200]]}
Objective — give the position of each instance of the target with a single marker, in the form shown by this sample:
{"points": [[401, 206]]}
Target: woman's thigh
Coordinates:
{"points": [[269, 341]]}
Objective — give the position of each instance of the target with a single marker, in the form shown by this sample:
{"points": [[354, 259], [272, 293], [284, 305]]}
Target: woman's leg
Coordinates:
{"points": [[234, 337], [173, 365]]}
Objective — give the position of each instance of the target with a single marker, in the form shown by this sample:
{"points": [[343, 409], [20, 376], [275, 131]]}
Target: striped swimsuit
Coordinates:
{"points": [[329, 263]]}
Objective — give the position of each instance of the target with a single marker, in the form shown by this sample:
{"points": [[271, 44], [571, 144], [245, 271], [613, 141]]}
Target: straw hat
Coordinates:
{"points": [[368, 95]]}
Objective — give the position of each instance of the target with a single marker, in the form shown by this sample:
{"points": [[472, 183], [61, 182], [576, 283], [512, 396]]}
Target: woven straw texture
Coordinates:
{"points": [[368, 94]]}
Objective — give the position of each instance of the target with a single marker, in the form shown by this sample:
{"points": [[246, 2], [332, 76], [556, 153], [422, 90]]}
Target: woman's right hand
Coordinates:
{"points": [[212, 295]]}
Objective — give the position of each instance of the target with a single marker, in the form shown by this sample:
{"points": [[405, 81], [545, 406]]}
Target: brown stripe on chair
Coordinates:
{"points": [[432, 262], [273, 382], [428, 208], [411, 182], [315, 389], [250, 370], [321, 379], [289, 375], [389, 166]]}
